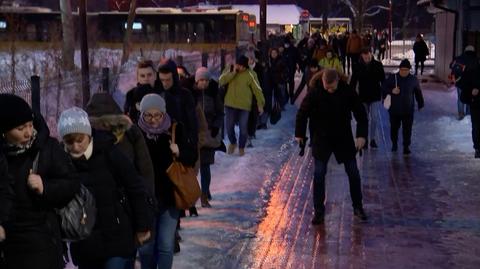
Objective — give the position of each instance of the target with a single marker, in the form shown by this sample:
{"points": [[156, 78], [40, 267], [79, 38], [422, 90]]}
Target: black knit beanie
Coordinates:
{"points": [[14, 111]]}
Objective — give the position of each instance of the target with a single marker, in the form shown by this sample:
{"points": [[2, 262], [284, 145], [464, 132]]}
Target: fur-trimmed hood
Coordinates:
{"points": [[111, 123]]}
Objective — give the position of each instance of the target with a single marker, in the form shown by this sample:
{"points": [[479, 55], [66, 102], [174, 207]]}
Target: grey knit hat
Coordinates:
{"points": [[152, 100], [202, 73], [74, 120]]}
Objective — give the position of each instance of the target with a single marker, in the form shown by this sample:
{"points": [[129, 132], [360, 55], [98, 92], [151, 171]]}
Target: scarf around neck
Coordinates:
{"points": [[155, 132], [14, 149]]}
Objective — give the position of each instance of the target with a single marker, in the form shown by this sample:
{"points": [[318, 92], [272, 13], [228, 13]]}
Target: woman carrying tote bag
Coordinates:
{"points": [[156, 126]]}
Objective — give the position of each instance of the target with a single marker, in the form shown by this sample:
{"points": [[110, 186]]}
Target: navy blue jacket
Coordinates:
{"points": [[403, 103]]}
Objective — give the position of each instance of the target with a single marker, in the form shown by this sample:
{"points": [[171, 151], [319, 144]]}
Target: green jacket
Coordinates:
{"points": [[241, 88], [334, 63]]}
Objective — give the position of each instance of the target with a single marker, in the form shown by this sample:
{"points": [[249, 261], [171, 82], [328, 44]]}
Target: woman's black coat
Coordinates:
{"points": [[32, 229], [162, 158], [330, 116], [111, 177]]}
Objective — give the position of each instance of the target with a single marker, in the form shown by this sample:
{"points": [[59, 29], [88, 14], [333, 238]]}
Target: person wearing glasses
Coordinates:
{"points": [[156, 125]]}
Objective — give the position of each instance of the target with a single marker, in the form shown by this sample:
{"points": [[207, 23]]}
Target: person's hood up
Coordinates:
{"points": [[172, 67], [105, 114], [102, 104]]}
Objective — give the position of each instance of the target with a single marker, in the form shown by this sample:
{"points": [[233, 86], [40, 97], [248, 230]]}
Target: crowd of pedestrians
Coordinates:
{"points": [[122, 156]]}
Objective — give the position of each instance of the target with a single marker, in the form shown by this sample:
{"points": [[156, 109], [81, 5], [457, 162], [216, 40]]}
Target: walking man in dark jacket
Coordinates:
{"points": [[369, 77], [403, 88], [329, 106], [471, 96], [180, 102], [146, 77]]}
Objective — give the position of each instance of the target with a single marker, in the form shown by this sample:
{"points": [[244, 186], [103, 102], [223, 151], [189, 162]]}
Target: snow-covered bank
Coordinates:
{"points": [[240, 188]]}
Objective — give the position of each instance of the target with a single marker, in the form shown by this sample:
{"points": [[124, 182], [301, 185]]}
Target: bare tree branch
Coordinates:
{"points": [[128, 33]]}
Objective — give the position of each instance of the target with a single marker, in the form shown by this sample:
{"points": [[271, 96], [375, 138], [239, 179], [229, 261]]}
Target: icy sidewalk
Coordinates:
{"points": [[240, 188]]}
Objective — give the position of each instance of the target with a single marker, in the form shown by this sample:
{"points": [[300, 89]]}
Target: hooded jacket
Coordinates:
{"points": [[180, 104], [32, 227], [111, 178], [105, 115], [242, 87]]}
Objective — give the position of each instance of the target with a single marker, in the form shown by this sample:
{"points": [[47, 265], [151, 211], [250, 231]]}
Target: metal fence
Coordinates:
{"points": [[21, 88], [401, 49]]}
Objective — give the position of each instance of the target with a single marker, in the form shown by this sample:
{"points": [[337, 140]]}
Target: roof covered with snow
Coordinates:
{"points": [[276, 14]]}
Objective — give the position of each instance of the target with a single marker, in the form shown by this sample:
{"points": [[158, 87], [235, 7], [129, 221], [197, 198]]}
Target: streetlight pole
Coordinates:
{"points": [[390, 28], [84, 52]]}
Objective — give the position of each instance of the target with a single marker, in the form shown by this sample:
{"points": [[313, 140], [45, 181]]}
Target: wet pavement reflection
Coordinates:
{"points": [[424, 209]]}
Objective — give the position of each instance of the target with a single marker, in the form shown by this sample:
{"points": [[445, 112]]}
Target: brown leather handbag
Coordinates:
{"points": [[186, 187]]}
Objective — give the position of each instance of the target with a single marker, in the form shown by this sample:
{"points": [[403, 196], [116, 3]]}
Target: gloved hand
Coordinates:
{"points": [[475, 92], [360, 143], [2, 233], [214, 131], [174, 149]]}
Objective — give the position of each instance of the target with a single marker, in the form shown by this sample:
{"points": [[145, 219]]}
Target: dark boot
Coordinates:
{"points": [[394, 148], [204, 200], [406, 151], [177, 246], [477, 153], [193, 211], [318, 219], [360, 214], [373, 144]]}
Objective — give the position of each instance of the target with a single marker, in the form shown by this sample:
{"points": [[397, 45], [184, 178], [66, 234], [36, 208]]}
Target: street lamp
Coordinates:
{"points": [[390, 28]]}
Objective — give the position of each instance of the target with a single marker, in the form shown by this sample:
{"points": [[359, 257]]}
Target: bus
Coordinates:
{"points": [[153, 28]]}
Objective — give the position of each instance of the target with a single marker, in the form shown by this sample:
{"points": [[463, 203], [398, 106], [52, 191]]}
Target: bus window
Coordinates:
{"points": [[164, 33], [199, 32]]}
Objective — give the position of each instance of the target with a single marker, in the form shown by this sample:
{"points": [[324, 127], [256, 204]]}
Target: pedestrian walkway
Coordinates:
{"points": [[424, 209]]}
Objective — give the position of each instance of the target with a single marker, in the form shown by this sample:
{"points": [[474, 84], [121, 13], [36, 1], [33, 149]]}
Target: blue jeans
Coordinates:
{"points": [[373, 114], [167, 219], [319, 184], [232, 117], [461, 107], [206, 177]]}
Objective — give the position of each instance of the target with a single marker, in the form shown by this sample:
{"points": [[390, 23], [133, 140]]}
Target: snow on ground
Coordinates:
{"points": [[240, 190]]}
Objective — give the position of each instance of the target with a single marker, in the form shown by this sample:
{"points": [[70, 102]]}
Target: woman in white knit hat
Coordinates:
{"points": [[123, 215]]}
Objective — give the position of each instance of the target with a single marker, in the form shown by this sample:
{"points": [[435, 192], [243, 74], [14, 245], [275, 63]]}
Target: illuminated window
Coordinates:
{"points": [[136, 26], [3, 25]]}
